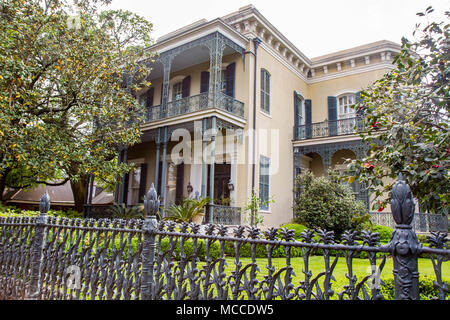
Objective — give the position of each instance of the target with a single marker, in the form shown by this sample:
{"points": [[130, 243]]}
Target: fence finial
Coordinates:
{"points": [[44, 203], [402, 202], [151, 203], [404, 245]]}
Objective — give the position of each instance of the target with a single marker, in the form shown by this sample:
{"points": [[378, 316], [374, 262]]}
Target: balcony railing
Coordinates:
{"points": [[328, 128], [223, 215], [195, 103]]}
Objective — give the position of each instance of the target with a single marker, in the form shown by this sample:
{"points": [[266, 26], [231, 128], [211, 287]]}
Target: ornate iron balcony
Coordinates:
{"points": [[195, 103], [328, 128]]}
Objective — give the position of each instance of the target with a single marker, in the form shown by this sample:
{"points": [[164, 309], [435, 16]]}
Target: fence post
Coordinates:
{"points": [[404, 245], [151, 205], [37, 249]]}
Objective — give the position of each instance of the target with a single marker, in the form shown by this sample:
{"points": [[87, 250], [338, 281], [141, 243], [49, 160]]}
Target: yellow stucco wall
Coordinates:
{"points": [[319, 92]]}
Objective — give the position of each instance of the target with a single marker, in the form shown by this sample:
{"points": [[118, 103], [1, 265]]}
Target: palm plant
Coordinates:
{"points": [[187, 211], [121, 211]]}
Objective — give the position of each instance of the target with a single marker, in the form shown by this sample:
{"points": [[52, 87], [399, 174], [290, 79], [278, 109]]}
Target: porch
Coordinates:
{"points": [[319, 158], [195, 159]]}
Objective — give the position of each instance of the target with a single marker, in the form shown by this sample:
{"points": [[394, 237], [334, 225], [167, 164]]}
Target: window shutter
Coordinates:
{"points": [[308, 111], [296, 110], [186, 87], [332, 116], [142, 182], [162, 89], [229, 78], [332, 108], [204, 82], [308, 118]]}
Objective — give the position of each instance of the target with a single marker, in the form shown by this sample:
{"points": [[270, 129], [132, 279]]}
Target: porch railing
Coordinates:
{"points": [[422, 223], [192, 104], [328, 128], [223, 215]]}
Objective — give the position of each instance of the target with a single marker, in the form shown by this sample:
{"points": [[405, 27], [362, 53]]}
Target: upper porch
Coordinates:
{"points": [[196, 76]]}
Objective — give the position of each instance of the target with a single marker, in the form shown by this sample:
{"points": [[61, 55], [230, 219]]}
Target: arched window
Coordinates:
{"points": [[345, 102], [265, 91]]}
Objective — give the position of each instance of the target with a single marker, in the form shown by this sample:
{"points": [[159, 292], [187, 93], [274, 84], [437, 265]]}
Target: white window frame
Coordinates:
{"points": [[340, 113], [266, 92]]}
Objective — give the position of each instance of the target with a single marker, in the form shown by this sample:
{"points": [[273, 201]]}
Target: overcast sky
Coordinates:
{"points": [[316, 27]]}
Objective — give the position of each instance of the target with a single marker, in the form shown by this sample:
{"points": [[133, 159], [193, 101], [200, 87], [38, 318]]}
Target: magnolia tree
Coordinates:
{"points": [[68, 73], [407, 121]]}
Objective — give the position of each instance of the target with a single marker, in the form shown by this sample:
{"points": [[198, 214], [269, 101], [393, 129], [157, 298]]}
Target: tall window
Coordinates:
{"points": [[264, 182], [265, 91], [177, 91], [345, 103]]}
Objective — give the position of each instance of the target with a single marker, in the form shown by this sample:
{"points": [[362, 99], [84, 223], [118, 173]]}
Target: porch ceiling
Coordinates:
{"points": [[188, 58]]}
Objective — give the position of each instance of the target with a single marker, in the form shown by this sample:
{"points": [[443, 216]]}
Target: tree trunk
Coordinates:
{"points": [[78, 191], [3, 176]]}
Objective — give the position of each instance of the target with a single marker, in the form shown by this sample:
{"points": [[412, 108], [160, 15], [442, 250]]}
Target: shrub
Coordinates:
{"points": [[385, 232], [326, 203], [298, 228], [427, 291]]}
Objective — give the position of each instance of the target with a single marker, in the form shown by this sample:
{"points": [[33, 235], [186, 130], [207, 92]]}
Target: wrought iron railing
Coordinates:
{"points": [[423, 223], [59, 258], [328, 128], [195, 103], [223, 215]]}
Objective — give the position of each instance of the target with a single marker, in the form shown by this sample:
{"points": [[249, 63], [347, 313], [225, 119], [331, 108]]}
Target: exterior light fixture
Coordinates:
{"points": [[230, 185], [189, 188]]}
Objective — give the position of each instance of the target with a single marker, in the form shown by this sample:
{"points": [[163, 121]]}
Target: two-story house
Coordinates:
{"points": [[234, 107]]}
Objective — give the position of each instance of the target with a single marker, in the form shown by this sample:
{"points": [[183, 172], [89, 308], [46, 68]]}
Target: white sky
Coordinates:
{"points": [[316, 27]]}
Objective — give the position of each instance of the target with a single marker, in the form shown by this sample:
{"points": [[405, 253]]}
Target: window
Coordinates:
{"points": [[135, 182], [264, 182], [265, 91], [223, 82], [299, 110], [177, 91], [345, 106]]}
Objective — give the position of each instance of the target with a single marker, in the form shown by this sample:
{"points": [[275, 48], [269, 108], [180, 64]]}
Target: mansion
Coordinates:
{"points": [[235, 108]]}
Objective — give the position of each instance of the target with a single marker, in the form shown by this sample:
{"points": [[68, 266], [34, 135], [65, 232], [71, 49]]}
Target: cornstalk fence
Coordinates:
{"points": [[58, 258]]}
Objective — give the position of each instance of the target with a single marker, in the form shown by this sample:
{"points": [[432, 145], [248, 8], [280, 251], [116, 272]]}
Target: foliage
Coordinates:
{"points": [[325, 203], [253, 208], [298, 229], [68, 76], [11, 211], [121, 211], [406, 117], [385, 232], [427, 290], [223, 201], [187, 210]]}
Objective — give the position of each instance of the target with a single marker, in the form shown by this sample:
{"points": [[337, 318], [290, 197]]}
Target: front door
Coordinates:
{"points": [[222, 175]]}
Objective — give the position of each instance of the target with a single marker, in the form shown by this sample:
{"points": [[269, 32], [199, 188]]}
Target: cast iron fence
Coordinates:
{"points": [[58, 258]]}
